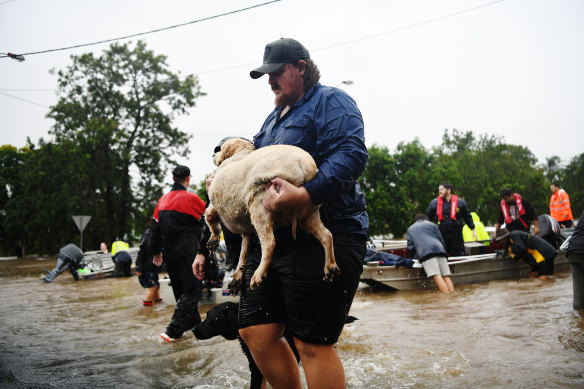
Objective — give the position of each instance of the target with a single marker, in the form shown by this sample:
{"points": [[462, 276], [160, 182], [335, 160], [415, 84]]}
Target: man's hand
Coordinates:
{"points": [[474, 235], [157, 259], [198, 266], [281, 196], [208, 182]]}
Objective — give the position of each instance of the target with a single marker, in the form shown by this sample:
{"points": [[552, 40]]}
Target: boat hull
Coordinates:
{"points": [[465, 270]]}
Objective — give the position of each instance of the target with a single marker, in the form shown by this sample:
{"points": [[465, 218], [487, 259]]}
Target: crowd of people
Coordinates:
{"points": [[325, 122]]}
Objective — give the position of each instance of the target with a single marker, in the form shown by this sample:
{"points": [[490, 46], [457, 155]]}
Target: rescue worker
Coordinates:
{"points": [[482, 234], [147, 272], [175, 235], [538, 253], [516, 212], [450, 213], [560, 206], [70, 257], [122, 259], [426, 244]]}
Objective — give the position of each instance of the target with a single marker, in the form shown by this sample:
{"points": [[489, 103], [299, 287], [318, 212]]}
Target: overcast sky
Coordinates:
{"points": [[511, 68]]}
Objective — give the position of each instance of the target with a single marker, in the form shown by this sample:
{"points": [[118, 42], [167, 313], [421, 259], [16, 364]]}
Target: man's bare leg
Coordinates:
{"points": [[273, 355], [322, 366], [441, 284], [449, 283]]}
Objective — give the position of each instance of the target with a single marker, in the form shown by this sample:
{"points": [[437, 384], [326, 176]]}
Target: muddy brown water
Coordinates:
{"points": [[96, 334]]}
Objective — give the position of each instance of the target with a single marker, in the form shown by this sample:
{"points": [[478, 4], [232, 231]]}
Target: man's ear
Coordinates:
{"points": [[301, 67]]}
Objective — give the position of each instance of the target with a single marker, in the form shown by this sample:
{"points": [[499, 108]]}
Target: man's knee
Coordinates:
{"points": [[310, 350], [260, 335]]}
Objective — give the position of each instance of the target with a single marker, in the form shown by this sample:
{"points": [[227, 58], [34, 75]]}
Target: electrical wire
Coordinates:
{"points": [[398, 29], [436, 19], [26, 101], [149, 32]]}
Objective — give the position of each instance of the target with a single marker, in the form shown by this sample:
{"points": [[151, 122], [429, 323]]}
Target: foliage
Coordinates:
{"points": [[573, 183], [118, 109], [398, 186], [113, 140]]}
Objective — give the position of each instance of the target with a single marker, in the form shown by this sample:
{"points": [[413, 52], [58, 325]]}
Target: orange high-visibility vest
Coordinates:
{"points": [[560, 206]]}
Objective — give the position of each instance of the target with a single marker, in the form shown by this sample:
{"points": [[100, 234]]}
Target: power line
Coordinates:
{"points": [[409, 26], [436, 19], [152, 31], [26, 101], [27, 90]]}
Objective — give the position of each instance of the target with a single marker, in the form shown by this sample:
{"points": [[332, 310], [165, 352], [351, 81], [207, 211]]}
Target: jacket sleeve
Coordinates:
{"points": [[155, 240], [410, 244], [529, 211], [431, 211], [467, 216], [205, 235], [341, 137]]}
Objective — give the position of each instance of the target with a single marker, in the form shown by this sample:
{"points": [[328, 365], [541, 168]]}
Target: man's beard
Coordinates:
{"points": [[285, 99]]}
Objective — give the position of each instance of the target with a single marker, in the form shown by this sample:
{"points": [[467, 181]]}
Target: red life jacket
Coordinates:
{"points": [[505, 209], [453, 206]]}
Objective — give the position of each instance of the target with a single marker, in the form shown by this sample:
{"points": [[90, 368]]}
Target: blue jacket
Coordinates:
{"points": [[327, 124], [425, 241]]}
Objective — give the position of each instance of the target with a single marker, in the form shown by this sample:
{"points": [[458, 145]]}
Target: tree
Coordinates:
{"points": [[573, 183], [118, 109], [13, 237]]}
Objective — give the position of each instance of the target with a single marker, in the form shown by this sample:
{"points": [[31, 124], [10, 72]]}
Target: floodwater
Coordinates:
{"points": [[503, 334]]}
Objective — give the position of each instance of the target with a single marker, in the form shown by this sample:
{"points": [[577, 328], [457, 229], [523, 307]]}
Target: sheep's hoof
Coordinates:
{"points": [[330, 273], [234, 287], [212, 245]]}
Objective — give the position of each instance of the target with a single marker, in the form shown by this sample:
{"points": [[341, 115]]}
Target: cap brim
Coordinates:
{"points": [[265, 69]]}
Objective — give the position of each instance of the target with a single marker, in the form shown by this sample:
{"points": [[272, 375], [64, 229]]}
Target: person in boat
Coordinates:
{"points": [[538, 253], [70, 257], [450, 213], [426, 244], [147, 272], [174, 238], [516, 212], [122, 259], [575, 253], [560, 206], [103, 247], [481, 233]]}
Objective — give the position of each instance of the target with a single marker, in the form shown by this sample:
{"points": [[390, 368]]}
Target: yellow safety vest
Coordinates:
{"points": [[118, 245]]}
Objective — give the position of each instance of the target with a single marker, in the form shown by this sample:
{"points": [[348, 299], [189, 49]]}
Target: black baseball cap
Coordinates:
{"points": [[218, 147], [181, 171], [278, 53]]}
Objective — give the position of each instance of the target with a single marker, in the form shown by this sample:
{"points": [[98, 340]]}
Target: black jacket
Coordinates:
{"points": [[576, 244], [176, 222], [526, 246]]}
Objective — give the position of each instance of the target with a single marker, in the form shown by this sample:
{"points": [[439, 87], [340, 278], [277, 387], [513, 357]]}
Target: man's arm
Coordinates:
{"points": [[282, 196], [468, 219], [340, 147]]}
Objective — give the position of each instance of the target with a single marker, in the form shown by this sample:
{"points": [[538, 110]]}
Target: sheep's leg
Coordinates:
{"points": [[236, 282], [264, 226], [312, 223], [212, 219]]}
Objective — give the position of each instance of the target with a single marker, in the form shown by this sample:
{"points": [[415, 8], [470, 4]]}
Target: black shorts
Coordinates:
{"points": [[148, 279], [294, 292]]}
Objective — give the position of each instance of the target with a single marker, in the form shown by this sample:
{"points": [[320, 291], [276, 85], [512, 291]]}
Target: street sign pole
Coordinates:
{"points": [[81, 221]]}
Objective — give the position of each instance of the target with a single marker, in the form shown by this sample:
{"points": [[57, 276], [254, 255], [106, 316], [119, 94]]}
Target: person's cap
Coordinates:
{"points": [[278, 53], [181, 171], [218, 147]]}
